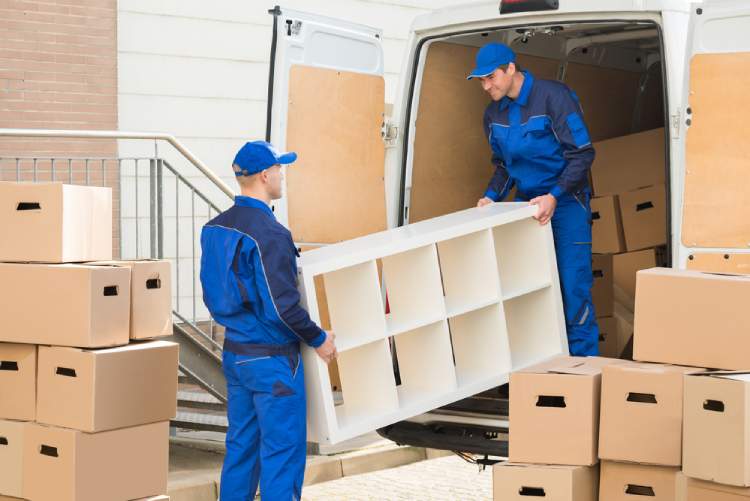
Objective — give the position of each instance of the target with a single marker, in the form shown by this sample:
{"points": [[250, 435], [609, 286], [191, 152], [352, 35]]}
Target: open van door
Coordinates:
{"points": [[716, 143], [327, 105]]}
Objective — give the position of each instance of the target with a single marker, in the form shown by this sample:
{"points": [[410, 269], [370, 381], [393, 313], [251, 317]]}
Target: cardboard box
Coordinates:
{"points": [[55, 222], [607, 236], [641, 413], [98, 390], [128, 463], [624, 319], [561, 483], [11, 457], [629, 162], [559, 394], [699, 490], [17, 382], [150, 297], [628, 481], [154, 498], [608, 337], [625, 266], [644, 217], [717, 427], [65, 305], [602, 292], [692, 318]]}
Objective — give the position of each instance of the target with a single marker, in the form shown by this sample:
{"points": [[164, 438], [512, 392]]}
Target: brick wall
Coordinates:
{"points": [[58, 70]]}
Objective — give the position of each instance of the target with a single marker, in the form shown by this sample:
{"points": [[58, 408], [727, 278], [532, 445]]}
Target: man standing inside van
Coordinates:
{"points": [[541, 145]]}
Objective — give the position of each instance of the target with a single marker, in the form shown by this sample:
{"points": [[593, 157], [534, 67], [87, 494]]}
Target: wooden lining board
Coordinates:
{"points": [[335, 190], [720, 262], [608, 98], [717, 156]]}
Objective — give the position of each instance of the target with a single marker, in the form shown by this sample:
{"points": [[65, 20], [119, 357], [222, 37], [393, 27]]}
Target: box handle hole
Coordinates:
{"points": [[642, 398], [595, 215], [7, 365], [64, 371], [153, 283], [28, 206], [111, 290], [644, 206], [47, 450], [3, 441], [639, 490], [713, 405], [532, 492], [550, 401]]}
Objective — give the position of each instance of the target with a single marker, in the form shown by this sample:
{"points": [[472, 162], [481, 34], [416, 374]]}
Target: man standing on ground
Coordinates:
{"points": [[541, 145], [249, 279]]}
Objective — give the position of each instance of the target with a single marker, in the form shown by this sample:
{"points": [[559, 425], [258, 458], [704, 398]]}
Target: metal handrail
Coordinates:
{"points": [[110, 134]]}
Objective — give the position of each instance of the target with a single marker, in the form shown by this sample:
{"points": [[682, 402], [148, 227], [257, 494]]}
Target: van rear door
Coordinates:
{"points": [[328, 102], [715, 229]]}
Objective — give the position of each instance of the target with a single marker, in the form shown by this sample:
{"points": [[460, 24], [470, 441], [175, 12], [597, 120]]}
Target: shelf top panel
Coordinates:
{"points": [[385, 243]]}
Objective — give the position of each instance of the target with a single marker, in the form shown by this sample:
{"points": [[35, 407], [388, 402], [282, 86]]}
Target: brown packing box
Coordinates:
{"points": [[717, 428], [559, 483], [154, 498], [17, 382], [98, 390], [608, 337], [692, 318], [11, 457], [625, 266], [624, 319], [699, 490], [629, 481], [602, 292], [644, 217], [559, 394], [55, 223], [65, 305], [629, 162], [641, 413], [119, 465], [150, 297], [606, 230]]}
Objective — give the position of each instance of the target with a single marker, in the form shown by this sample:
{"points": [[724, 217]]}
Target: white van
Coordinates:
{"points": [[636, 65]]}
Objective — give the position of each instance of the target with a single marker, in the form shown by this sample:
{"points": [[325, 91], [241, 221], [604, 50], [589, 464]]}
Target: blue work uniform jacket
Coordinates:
{"points": [[249, 277], [539, 142]]}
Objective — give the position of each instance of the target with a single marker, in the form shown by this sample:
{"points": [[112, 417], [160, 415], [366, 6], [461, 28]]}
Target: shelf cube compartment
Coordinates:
{"points": [[425, 362], [355, 305], [469, 271], [480, 344], [413, 289], [536, 327], [368, 385], [523, 256]]}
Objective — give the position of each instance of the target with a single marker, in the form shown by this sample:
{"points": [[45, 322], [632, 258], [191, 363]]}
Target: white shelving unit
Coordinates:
{"points": [[464, 299]]}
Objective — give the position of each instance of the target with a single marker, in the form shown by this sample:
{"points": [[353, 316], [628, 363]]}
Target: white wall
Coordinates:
{"points": [[199, 70]]}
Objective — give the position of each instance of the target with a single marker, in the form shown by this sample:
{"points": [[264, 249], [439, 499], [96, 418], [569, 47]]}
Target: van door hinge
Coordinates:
{"points": [[674, 122], [389, 132]]}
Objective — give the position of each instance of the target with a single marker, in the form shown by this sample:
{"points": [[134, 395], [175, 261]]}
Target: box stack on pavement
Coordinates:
{"points": [[554, 431], [628, 215], [692, 318], [86, 393]]}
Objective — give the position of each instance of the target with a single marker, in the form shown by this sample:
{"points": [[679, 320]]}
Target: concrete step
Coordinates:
{"points": [[198, 399], [206, 421]]}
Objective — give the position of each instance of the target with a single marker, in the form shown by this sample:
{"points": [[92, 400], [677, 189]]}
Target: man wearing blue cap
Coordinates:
{"points": [[541, 145], [249, 279]]}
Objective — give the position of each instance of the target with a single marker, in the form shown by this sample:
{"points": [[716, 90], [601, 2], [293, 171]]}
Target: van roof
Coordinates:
{"points": [[467, 14]]}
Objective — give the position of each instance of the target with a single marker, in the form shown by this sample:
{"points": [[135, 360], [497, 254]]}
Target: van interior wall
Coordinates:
{"points": [[451, 162]]}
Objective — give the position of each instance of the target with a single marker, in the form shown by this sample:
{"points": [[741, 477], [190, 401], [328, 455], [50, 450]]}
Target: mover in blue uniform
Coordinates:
{"points": [[249, 279], [540, 145]]}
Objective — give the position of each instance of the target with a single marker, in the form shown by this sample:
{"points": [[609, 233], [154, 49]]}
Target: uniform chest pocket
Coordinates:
{"points": [[538, 127]]}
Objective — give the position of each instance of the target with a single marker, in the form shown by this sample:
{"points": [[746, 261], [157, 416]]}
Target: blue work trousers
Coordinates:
{"points": [[267, 437], [571, 227]]}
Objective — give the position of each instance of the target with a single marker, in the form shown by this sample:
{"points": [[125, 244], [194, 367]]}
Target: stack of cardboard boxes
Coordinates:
{"points": [[695, 318], [86, 395], [628, 215], [664, 427]]}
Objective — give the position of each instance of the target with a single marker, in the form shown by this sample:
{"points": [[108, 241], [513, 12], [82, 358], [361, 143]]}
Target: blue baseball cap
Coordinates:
{"points": [[257, 156], [490, 57]]}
